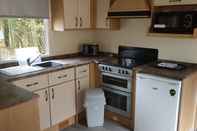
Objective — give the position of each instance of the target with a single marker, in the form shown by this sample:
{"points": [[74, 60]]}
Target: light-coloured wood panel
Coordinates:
{"points": [[24, 117], [33, 83], [102, 9], [82, 71], [188, 103], [57, 15], [62, 102], [61, 76], [71, 20], [44, 112], [82, 85], [4, 120], [84, 7]]}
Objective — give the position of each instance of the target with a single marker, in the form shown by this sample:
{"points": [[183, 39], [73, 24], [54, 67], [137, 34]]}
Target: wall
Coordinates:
{"points": [[68, 41], [134, 33]]}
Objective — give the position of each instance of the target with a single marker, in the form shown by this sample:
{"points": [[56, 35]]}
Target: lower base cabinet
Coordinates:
{"points": [[44, 111], [62, 102], [22, 117]]}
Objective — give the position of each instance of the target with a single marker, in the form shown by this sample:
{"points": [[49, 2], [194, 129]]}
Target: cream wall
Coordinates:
{"points": [[134, 33], [68, 41]]}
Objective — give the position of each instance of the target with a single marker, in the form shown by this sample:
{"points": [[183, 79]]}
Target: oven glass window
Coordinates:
{"points": [[116, 100], [115, 81]]}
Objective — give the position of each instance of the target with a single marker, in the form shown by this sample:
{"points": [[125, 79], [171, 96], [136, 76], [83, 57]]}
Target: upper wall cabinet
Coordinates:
{"points": [[72, 14], [102, 8], [173, 2]]}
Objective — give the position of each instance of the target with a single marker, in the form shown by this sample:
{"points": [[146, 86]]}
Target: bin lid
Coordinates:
{"points": [[95, 93]]}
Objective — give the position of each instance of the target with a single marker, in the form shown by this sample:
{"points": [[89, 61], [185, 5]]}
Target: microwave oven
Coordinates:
{"points": [[178, 22]]}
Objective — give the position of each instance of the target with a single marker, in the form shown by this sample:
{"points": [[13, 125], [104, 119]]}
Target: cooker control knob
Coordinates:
{"points": [[110, 69], [103, 68], [123, 72], [126, 72], [106, 68], [119, 71]]}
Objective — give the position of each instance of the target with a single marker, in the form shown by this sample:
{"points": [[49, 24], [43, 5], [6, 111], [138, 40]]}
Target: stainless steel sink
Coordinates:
{"points": [[48, 64]]}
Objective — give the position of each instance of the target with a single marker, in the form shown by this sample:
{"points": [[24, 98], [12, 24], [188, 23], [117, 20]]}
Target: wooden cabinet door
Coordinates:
{"points": [[84, 7], [82, 85], [102, 10], [44, 112], [71, 20], [62, 102]]}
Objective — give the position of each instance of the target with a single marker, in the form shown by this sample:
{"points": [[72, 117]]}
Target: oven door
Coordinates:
{"points": [[118, 101], [117, 82]]}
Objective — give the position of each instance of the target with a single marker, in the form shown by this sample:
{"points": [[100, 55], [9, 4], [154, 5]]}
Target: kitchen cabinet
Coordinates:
{"points": [[102, 8], [33, 83], [72, 14], [44, 111], [62, 102], [21, 117], [56, 92], [83, 83], [173, 2]]}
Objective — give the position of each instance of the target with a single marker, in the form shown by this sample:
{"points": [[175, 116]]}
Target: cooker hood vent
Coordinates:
{"points": [[129, 9]]}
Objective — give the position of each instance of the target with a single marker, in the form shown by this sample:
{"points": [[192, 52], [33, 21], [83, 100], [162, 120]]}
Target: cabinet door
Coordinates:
{"points": [[84, 7], [102, 9], [44, 108], [82, 85], [62, 102], [71, 14]]}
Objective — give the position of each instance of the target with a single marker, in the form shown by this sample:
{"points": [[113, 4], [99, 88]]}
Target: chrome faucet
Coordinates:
{"points": [[30, 62]]}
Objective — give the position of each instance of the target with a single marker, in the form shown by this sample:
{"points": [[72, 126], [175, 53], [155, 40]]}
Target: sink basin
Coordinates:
{"points": [[19, 70], [48, 64]]}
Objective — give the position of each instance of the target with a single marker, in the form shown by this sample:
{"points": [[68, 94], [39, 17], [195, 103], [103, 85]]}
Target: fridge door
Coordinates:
{"points": [[157, 103]]}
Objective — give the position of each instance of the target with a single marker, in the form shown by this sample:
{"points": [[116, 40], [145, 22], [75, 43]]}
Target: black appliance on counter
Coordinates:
{"points": [[89, 49], [178, 22], [133, 56], [116, 77]]}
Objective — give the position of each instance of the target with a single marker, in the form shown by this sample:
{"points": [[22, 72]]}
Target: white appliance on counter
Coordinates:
{"points": [[157, 103]]}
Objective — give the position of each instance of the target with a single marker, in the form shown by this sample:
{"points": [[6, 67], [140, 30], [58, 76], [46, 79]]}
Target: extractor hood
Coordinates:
{"points": [[129, 8]]}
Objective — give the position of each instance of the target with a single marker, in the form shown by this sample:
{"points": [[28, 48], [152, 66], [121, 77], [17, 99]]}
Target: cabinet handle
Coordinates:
{"points": [[76, 21], [175, 0], [46, 95], [79, 86], [64, 76], [53, 93], [81, 22], [83, 71], [33, 84]]}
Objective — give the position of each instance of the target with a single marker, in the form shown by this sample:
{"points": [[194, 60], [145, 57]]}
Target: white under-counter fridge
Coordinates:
{"points": [[157, 103]]}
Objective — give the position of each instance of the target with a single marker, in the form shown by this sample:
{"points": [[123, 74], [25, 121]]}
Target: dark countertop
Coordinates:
{"points": [[172, 74], [11, 95]]}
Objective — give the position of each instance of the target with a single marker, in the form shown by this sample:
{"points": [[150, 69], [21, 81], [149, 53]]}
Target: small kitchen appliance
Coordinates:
{"points": [[89, 49]]}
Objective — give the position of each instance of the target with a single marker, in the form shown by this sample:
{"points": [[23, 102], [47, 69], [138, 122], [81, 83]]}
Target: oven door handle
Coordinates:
{"points": [[116, 76]]}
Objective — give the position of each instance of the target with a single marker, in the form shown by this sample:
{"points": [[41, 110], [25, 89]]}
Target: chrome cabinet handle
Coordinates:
{"points": [[64, 76], [33, 84], [81, 22], [46, 95], [53, 93], [76, 21], [79, 86]]}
